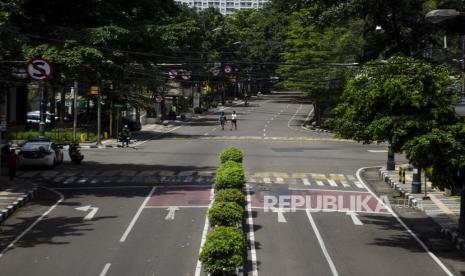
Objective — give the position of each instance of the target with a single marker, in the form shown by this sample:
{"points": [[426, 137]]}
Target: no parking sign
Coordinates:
{"points": [[39, 69]]}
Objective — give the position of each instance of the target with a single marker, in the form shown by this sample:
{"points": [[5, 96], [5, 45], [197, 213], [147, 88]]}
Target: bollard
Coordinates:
{"points": [[400, 174], [83, 137], [105, 135]]}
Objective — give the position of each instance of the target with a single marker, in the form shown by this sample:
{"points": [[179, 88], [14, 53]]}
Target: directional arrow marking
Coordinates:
{"points": [[91, 214], [281, 218], [171, 211], [355, 218]]}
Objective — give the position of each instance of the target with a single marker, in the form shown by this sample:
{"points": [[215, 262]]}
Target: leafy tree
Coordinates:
{"points": [[313, 55], [395, 102], [443, 149]]}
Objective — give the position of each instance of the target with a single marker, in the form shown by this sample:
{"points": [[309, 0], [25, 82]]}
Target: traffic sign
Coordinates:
{"points": [[227, 69], [94, 90], [215, 72], [39, 69]]}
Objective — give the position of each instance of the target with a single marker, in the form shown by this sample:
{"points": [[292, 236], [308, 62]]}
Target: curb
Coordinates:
{"points": [[450, 233], [412, 201], [19, 202]]}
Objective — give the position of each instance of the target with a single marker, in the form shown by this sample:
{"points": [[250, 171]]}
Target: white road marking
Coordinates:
{"points": [[136, 216], [279, 180], [91, 214], [431, 254], [171, 212], [350, 177], [319, 183], [354, 217], [306, 181], [198, 267], [105, 269], [358, 184], [267, 180], [293, 116], [253, 253], [12, 244], [280, 212], [345, 183], [158, 135], [332, 182], [378, 151], [322, 244]]}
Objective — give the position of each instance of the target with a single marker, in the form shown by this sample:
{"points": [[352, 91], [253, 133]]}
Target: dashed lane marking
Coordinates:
{"points": [[306, 181]]}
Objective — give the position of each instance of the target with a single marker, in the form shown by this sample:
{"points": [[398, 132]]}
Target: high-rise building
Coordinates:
{"points": [[226, 7]]}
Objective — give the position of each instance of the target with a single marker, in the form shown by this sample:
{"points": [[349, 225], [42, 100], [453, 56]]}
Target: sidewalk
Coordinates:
{"points": [[14, 195], [166, 126], [444, 210]]}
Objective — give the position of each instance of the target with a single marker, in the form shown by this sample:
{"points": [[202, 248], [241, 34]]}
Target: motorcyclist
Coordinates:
{"points": [[125, 136]]}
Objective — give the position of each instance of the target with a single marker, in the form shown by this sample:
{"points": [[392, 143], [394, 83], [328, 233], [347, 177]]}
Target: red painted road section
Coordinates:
{"points": [[180, 196], [328, 200]]}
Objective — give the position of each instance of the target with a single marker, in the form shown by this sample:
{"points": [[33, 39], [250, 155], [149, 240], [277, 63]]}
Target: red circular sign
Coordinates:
{"points": [[39, 69]]}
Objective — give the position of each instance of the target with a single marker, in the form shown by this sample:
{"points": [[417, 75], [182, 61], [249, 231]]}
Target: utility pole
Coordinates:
{"points": [[99, 118], [75, 93]]}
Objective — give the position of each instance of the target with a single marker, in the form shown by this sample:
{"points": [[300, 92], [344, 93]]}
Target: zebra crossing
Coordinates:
{"points": [[149, 177], [306, 179]]}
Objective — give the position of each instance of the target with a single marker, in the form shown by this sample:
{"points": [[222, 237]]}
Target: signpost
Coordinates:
{"points": [[40, 70]]}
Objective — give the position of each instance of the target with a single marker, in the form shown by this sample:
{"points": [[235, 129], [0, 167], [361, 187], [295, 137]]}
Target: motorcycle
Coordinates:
{"points": [[75, 155]]}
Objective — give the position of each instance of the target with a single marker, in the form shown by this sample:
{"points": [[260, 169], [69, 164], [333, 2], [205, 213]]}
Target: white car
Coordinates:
{"points": [[40, 153], [33, 117]]}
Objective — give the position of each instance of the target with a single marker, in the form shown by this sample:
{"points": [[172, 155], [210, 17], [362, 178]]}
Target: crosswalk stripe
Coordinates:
{"points": [[334, 176], [319, 176], [306, 181], [70, 179], [344, 183], [166, 173], [358, 184], [279, 180], [350, 177], [146, 173], [267, 180], [319, 183], [332, 183], [186, 173], [58, 179], [83, 180]]}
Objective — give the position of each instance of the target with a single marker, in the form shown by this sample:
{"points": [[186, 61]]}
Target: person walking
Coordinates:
{"points": [[125, 136], [11, 162], [223, 120], [234, 120]]}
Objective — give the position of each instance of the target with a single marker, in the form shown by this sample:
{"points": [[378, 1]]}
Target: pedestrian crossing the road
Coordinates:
{"points": [[152, 177]]}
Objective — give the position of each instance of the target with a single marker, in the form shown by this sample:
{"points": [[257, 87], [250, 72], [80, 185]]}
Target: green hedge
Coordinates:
{"points": [[224, 251], [230, 195], [231, 154], [228, 164], [225, 214], [230, 177]]}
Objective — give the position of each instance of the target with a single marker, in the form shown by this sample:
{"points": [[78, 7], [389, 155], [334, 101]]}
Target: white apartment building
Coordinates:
{"points": [[226, 7]]}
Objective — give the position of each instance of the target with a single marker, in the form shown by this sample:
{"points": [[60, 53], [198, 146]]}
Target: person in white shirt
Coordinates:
{"points": [[234, 120]]}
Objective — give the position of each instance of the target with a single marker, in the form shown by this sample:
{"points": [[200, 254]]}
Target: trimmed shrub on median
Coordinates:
{"points": [[224, 251], [228, 164], [230, 177], [230, 195], [225, 214], [231, 154]]}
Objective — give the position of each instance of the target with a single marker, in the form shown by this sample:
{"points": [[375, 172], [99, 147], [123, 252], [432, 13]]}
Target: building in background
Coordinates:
{"points": [[226, 7]]}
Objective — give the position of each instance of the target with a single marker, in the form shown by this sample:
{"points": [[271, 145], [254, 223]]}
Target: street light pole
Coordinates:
{"points": [[42, 110], [75, 92]]}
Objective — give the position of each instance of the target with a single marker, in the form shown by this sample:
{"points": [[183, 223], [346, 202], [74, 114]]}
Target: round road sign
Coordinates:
{"points": [[227, 69], [39, 69]]}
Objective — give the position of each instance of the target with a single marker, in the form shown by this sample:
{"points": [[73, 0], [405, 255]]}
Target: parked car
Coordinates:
{"points": [[33, 117], [40, 152]]}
